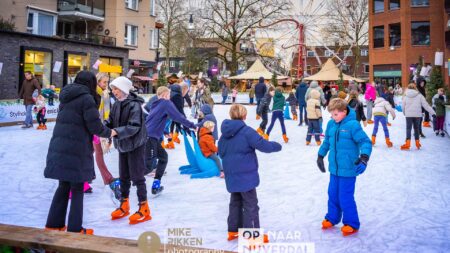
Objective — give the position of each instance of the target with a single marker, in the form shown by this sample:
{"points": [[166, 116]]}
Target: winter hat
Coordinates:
{"points": [[122, 83], [261, 79], [342, 95]]}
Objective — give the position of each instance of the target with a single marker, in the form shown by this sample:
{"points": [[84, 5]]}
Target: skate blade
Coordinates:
{"points": [[140, 220], [123, 216]]}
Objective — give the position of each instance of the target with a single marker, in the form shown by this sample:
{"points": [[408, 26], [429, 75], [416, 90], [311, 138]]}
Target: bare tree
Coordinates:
{"points": [[226, 22], [349, 24]]}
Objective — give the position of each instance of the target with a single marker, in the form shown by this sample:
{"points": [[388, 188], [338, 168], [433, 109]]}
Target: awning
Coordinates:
{"points": [[143, 78], [388, 73]]}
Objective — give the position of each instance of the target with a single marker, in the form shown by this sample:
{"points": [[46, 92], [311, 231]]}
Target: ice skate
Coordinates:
{"points": [[347, 230], [326, 224], [406, 146], [122, 211], [143, 214], [157, 188], [260, 131], [389, 143], [285, 138], [418, 145]]}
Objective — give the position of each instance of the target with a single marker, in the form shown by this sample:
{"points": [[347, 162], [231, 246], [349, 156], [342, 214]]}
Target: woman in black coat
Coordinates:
{"points": [[69, 157]]}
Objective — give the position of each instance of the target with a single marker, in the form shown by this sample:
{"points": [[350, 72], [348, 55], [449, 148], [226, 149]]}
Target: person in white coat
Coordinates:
{"points": [[380, 112], [412, 105]]}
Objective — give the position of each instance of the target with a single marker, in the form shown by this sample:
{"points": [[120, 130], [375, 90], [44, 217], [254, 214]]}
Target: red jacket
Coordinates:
{"points": [[206, 142]]}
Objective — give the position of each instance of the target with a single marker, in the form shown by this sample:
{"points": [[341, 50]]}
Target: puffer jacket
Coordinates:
{"points": [[344, 142], [278, 101], [177, 98], [413, 102], [381, 107], [206, 142], [371, 93], [127, 118], [440, 106], [313, 106]]}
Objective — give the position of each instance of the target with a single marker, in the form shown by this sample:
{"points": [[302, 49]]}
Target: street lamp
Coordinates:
{"points": [[191, 22]]}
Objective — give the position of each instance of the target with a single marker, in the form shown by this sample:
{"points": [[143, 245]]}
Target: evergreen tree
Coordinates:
{"points": [[435, 83], [162, 80], [274, 79], [340, 81]]}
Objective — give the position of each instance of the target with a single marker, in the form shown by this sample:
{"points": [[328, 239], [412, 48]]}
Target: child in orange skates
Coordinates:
{"points": [[207, 144]]}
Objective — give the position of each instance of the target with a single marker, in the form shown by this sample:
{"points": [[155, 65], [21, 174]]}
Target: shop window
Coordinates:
{"points": [[378, 6], [132, 4], [112, 62], [41, 23], [420, 33], [75, 64], [394, 4], [131, 35], [420, 3], [40, 64], [378, 36], [395, 35]]}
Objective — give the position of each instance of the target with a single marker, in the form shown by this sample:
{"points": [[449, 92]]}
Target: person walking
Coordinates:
{"points": [[29, 85]]}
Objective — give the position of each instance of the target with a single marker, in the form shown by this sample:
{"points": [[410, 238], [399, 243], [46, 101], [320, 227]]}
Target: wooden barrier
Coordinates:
{"points": [[55, 241]]}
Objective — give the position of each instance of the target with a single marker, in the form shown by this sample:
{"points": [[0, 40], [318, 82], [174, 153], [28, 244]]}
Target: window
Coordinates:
{"points": [[366, 68], [364, 52], [112, 62], [40, 64], [41, 23], [394, 4], [181, 63], [348, 52], [395, 35], [152, 8], [131, 34], [378, 6], [172, 64], [75, 64], [132, 4], [420, 33], [311, 53], [153, 39], [420, 3], [378, 36], [329, 53]]}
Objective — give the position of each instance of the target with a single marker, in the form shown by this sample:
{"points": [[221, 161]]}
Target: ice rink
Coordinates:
{"points": [[403, 197]]}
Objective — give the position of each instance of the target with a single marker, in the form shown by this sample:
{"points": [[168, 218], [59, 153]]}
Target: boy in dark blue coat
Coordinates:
{"points": [[206, 114], [349, 149], [160, 111], [237, 147], [300, 94]]}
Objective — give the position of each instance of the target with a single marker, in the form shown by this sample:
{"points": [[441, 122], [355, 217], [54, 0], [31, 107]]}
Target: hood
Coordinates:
{"points": [[261, 79], [351, 115], [411, 93], [204, 131], [379, 100], [314, 84], [315, 94], [206, 109], [278, 94], [72, 91], [231, 127], [175, 89], [133, 97]]}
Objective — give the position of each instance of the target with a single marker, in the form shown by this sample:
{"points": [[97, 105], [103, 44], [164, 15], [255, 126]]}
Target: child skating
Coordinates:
{"points": [[293, 103], [277, 112], [237, 147], [263, 111], [126, 118], [440, 103], [40, 113], [380, 112], [348, 148], [207, 144], [314, 114]]}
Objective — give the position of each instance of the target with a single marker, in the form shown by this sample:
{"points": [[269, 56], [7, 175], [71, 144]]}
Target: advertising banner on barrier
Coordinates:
{"points": [[14, 111], [447, 119]]}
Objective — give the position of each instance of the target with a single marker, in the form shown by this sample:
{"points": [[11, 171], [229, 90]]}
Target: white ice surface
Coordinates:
{"points": [[403, 198]]}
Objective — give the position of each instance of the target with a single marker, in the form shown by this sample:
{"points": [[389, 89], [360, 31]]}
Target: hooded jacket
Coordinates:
{"points": [[381, 107], [371, 93], [278, 101], [263, 107], [69, 156], [206, 142], [356, 105], [413, 102], [260, 89], [344, 142], [293, 102], [300, 93], [208, 116], [127, 118], [313, 106], [177, 98], [440, 105], [315, 86], [237, 147]]}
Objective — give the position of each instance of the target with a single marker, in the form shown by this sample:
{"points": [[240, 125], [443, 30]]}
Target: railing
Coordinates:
{"points": [[92, 38], [91, 7]]}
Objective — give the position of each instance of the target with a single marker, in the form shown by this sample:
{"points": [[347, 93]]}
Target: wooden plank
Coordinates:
{"points": [[26, 237]]}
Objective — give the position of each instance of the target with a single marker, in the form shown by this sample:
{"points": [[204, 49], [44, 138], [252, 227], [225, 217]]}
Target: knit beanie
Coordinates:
{"points": [[122, 83]]}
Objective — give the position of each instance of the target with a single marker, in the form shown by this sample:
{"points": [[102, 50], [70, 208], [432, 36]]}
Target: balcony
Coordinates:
{"points": [[92, 38], [85, 9]]}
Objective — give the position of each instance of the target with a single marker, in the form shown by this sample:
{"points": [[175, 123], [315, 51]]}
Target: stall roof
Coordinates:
{"points": [[330, 72], [256, 71]]}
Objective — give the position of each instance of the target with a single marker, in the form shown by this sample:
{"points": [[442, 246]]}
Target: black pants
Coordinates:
{"points": [[40, 117], [58, 209], [410, 123], [132, 168], [150, 160], [313, 129], [265, 120], [427, 115], [158, 152], [244, 211], [175, 126]]}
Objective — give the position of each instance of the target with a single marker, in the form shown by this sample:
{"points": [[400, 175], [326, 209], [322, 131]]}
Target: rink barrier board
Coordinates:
{"points": [[55, 241]]}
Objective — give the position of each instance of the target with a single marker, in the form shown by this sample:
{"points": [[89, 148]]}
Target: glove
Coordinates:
{"points": [[361, 164], [320, 164]]}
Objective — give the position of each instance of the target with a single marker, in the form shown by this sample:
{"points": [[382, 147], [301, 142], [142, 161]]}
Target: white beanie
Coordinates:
{"points": [[122, 83]]}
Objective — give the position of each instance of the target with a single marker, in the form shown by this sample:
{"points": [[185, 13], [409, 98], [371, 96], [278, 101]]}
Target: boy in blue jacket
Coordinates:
{"points": [[160, 111], [349, 149], [237, 147]]}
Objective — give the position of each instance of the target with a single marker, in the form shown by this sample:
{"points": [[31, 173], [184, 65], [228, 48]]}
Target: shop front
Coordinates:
{"points": [[74, 62], [111, 65], [388, 75], [39, 62]]}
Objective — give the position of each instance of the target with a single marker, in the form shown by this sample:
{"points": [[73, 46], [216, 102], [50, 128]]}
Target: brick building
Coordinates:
{"points": [[401, 31]]}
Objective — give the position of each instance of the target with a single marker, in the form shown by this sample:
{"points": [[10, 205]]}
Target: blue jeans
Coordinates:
{"points": [[313, 129], [224, 99], [382, 120], [251, 101], [28, 117], [280, 116], [321, 125], [341, 200], [303, 113]]}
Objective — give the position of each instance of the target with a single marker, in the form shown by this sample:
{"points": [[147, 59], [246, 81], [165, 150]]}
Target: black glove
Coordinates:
{"points": [[320, 164]]}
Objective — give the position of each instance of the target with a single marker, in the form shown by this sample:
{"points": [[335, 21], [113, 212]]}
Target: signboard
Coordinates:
{"points": [[110, 69], [447, 119], [13, 111], [391, 73]]}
